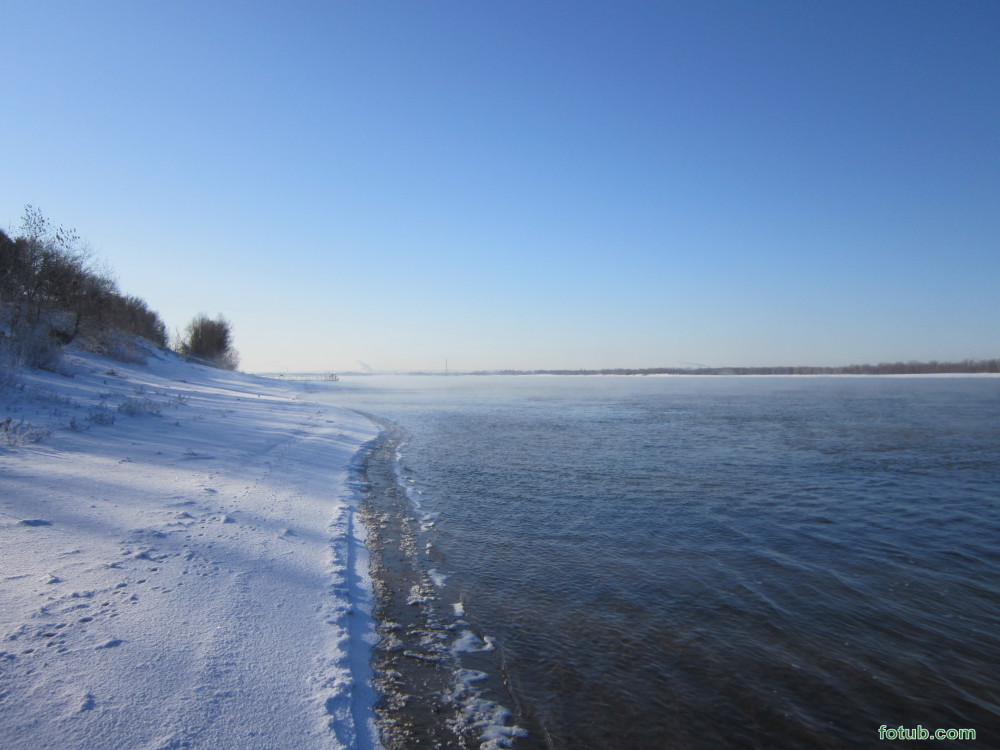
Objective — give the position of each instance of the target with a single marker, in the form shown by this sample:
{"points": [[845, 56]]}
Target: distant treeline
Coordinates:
{"points": [[883, 368]]}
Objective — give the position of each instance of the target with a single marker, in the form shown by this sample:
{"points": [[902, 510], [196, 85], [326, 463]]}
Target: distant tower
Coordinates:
{"points": [[445, 365]]}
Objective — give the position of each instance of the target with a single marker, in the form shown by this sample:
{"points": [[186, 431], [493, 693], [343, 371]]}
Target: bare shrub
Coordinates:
{"points": [[19, 433], [136, 406], [31, 346], [101, 414], [118, 345], [132, 315], [126, 350]]}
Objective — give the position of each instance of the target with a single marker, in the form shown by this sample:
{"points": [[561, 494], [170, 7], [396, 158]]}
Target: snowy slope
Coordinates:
{"points": [[180, 565]]}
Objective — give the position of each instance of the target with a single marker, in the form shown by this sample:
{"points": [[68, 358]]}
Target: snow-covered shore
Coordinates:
{"points": [[180, 562]]}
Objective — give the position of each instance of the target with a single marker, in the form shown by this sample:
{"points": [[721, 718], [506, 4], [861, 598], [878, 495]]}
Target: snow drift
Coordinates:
{"points": [[180, 564]]}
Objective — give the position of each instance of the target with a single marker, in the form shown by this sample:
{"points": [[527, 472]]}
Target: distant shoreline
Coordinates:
{"points": [[966, 367]]}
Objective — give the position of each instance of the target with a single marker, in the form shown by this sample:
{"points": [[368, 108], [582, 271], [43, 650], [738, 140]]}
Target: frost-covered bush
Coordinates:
{"points": [[19, 433], [135, 406], [29, 346], [101, 414], [41, 350], [126, 350], [117, 345]]}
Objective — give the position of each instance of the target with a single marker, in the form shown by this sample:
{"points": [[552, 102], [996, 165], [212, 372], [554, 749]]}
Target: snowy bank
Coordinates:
{"points": [[180, 565]]}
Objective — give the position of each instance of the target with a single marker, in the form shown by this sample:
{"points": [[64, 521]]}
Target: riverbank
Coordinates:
{"points": [[439, 681], [183, 564]]}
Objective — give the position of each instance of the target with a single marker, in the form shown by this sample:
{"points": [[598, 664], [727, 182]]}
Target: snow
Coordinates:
{"points": [[181, 565]]}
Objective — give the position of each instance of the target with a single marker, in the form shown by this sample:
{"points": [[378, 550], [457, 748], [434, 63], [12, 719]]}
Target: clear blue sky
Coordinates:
{"points": [[526, 184]]}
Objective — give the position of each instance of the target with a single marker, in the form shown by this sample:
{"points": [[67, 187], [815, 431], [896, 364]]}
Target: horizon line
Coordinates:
{"points": [[910, 367]]}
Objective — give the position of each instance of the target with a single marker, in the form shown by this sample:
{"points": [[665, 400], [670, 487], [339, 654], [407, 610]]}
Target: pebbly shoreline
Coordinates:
{"points": [[426, 697]]}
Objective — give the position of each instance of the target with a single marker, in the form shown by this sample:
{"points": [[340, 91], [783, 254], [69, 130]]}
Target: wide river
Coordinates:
{"points": [[706, 562]]}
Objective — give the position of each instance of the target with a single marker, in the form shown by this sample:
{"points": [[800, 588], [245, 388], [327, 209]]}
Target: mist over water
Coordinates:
{"points": [[714, 562]]}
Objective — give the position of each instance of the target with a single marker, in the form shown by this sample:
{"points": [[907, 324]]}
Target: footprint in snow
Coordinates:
{"points": [[146, 533], [148, 555], [192, 455], [113, 643], [34, 522]]}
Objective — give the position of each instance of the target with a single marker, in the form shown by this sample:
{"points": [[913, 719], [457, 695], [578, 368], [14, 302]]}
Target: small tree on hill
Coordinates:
{"points": [[210, 340]]}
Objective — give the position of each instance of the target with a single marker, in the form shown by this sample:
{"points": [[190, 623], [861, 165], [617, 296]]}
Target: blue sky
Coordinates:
{"points": [[526, 184]]}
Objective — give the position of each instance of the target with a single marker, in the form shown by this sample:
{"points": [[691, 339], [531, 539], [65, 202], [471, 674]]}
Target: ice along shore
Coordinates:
{"points": [[181, 562]]}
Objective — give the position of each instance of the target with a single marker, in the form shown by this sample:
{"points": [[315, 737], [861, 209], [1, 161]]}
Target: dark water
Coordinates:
{"points": [[713, 562]]}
